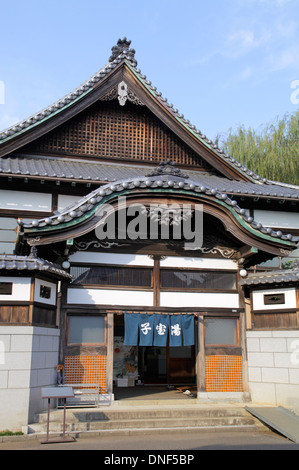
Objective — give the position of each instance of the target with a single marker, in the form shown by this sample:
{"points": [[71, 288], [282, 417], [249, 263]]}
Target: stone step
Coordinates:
{"points": [[149, 419], [153, 425], [117, 414]]}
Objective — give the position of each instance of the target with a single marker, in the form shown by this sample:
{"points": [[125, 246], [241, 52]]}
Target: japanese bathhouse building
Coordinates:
{"points": [[134, 250]]}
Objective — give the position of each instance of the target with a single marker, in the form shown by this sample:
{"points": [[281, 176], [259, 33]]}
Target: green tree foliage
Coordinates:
{"points": [[272, 153]]}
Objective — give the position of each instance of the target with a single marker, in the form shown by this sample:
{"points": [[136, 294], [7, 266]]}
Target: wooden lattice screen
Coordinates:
{"points": [[110, 131]]}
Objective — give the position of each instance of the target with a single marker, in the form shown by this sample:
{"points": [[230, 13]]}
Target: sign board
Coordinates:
{"points": [[57, 392]]}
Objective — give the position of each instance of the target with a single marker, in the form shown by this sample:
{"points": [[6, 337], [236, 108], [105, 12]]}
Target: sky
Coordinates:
{"points": [[221, 63]]}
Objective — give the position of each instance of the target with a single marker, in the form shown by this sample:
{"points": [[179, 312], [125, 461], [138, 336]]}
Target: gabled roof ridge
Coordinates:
{"points": [[284, 185], [68, 99], [199, 135], [128, 56]]}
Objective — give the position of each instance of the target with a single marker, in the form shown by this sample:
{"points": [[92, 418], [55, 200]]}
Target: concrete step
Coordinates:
{"points": [[148, 419], [133, 413]]}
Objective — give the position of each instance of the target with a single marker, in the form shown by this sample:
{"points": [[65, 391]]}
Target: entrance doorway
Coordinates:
{"points": [[168, 365], [152, 365]]}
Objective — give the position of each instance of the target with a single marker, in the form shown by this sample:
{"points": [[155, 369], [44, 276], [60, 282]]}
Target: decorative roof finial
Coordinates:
{"points": [[123, 46], [168, 168]]}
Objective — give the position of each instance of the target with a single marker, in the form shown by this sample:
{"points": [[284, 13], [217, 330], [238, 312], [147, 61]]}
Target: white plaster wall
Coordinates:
{"points": [[111, 258], [277, 219], [199, 299], [199, 263], [258, 299], [27, 359], [110, 297], [273, 367], [20, 288], [38, 298]]}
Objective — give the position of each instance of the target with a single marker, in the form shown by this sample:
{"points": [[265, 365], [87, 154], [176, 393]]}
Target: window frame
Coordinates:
{"points": [[8, 285], [69, 315], [198, 289], [113, 286], [223, 345]]}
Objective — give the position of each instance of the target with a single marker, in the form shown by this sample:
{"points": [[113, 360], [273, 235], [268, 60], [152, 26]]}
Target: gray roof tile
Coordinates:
{"points": [[271, 277], [28, 263], [96, 172]]}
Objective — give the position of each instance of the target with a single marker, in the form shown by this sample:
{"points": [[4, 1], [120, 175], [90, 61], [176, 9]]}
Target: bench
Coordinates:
{"points": [[84, 395]]}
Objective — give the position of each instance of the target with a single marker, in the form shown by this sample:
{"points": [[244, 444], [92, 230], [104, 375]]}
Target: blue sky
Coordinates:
{"points": [[221, 63]]}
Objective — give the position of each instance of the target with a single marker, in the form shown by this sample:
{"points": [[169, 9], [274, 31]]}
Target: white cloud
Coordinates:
{"points": [[287, 58], [246, 73]]}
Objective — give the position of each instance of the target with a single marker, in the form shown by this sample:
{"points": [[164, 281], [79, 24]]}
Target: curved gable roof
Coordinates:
{"points": [[165, 181]]}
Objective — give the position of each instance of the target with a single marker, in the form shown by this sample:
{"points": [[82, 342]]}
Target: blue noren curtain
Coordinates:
{"points": [[131, 329], [188, 329], [161, 330], [175, 331], [146, 329]]}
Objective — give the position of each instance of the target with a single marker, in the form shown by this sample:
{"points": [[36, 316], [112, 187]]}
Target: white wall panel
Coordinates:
{"points": [[111, 258], [258, 299], [201, 263], [20, 288], [65, 201], [277, 219], [38, 298], [110, 297], [25, 201], [199, 299]]}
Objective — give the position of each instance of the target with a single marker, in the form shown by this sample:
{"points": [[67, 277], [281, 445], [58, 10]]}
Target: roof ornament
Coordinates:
{"points": [[123, 46], [122, 93], [168, 168]]}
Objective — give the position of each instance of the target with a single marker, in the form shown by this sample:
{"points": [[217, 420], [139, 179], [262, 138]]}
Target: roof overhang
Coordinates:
{"points": [[171, 187]]}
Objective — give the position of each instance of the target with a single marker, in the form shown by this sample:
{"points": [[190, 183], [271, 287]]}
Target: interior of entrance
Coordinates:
{"points": [[151, 365]]}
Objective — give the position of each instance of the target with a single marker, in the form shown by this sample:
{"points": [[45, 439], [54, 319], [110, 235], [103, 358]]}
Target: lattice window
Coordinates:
{"points": [[109, 131]]}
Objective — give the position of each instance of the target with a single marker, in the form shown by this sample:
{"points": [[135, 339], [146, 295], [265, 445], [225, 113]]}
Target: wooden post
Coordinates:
{"points": [[200, 356], [244, 352], [110, 339], [243, 337], [156, 283]]}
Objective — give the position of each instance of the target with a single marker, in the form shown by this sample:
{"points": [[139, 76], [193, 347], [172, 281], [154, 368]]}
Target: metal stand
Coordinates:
{"points": [[63, 393]]}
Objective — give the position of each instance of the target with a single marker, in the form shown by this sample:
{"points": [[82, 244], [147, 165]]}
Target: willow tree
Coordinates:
{"points": [[273, 153]]}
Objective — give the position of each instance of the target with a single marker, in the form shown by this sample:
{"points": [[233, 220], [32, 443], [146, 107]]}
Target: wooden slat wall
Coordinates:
{"points": [[275, 320], [110, 131], [13, 314]]}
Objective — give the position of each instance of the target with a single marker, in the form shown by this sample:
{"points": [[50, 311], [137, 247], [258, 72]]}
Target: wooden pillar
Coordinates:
{"points": [[243, 335], [156, 281], [244, 352], [200, 356], [110, 340]]}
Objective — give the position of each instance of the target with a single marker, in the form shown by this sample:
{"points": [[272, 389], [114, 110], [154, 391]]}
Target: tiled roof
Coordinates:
{"points": [[28, 263], [122, 54], [271, 277], [87, 171], [166, 179]]}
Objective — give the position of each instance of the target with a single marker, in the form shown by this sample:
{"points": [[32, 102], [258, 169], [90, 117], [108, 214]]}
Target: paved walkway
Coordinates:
{"points": [[189, 443]]}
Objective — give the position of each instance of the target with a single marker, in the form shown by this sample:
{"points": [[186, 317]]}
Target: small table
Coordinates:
{"points": [[55, 393]]}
